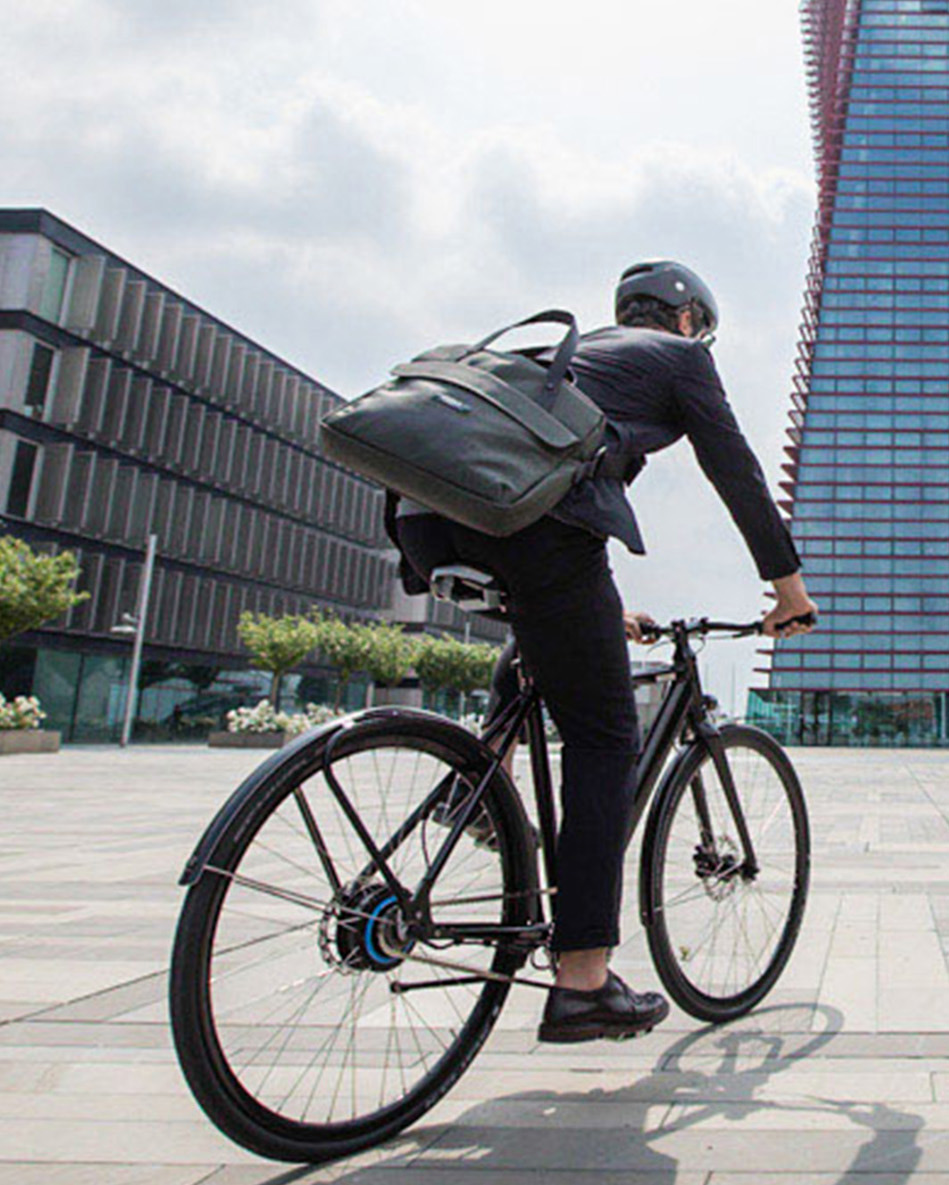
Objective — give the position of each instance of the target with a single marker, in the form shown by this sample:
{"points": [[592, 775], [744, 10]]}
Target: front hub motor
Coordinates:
{"points": [[718, 869]]}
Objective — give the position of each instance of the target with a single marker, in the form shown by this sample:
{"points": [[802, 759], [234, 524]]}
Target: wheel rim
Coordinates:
{"points": [[300, 1011], [726, 926]]}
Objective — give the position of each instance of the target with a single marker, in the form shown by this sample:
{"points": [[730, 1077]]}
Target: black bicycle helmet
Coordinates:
{"points": [[672, 283]]}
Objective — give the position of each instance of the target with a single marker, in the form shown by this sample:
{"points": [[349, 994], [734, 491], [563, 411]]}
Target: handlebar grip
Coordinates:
{"points": [[808, 619]]}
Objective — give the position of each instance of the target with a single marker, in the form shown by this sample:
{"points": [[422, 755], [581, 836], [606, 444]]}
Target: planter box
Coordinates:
{"points": [[247, 740], [28, 740]]}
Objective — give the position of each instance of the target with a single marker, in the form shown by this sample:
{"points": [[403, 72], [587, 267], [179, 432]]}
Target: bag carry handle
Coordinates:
{"points": [[558, 368]]}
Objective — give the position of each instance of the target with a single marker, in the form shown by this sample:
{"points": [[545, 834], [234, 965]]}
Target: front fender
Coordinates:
{"points": [[688, 753], [646, 912]]}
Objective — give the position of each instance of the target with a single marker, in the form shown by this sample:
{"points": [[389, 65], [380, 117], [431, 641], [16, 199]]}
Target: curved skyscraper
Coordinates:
{"points": [[868, 459]]}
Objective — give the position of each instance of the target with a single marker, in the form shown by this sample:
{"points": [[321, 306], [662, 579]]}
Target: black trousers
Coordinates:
{"points": [[567, 618]]}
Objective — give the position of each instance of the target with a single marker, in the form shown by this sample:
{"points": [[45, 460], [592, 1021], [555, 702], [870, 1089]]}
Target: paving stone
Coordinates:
{"points": [[472, 1174], [123, 1142], [793, 1177], [39, 1032], [27, 1173]]}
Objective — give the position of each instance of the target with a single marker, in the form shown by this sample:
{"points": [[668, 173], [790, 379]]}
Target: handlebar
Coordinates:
{"points": [[702, 626]]}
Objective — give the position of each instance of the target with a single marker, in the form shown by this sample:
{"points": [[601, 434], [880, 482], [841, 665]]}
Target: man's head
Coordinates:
{"points": [[666, 295]]}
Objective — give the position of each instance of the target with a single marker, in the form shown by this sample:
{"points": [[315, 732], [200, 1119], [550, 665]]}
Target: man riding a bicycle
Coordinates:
{"points": [[654, 378]]}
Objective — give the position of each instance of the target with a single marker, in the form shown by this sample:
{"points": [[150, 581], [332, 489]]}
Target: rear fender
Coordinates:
{"points": [[299, 755], [299, 751]]}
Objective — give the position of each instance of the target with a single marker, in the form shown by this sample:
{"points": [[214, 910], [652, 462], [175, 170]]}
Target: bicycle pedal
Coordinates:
{"points": [[480, 828]]}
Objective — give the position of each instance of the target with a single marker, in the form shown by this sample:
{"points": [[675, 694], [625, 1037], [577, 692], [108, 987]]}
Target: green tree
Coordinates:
{"points": [[34, 587], [389, 654], [480, 661], [277, 644], [346, 647], [445, 664]]}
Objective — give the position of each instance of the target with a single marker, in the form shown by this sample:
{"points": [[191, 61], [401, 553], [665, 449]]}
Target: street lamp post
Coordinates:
{"points": [[136, 625], [463, 697]]}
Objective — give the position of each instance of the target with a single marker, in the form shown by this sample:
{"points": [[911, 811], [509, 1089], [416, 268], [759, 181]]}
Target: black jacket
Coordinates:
{"points": [[655, 388]]}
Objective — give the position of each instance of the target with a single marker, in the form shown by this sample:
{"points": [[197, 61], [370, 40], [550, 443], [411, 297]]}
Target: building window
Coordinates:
{"points": [[52, 304], [21, 479], [40, 370]]}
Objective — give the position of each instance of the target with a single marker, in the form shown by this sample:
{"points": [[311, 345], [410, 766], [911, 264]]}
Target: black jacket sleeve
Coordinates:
{"points": [[728, 462]]}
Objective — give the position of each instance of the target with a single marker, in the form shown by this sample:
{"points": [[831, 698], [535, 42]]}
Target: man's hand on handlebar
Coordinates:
{"points": [[640, 627], [795, 613]]}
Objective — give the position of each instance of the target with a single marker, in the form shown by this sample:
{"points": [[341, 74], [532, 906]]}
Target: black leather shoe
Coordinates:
{"points": [[613, 1011]]}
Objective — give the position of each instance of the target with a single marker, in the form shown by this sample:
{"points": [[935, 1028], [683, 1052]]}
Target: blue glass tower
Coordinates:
{"points": [[868, 458]]}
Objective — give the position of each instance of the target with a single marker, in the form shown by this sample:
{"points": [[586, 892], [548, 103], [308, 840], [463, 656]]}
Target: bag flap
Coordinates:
{"points": [[499, 394]]}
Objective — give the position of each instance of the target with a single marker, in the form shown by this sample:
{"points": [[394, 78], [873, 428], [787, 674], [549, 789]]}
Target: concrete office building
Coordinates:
{"points": [[126, 410], [868, 460]]}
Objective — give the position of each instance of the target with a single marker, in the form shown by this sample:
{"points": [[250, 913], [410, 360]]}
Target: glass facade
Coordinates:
{"points": [[868, 460], [54, 289], [127, 411], [83, 693]]}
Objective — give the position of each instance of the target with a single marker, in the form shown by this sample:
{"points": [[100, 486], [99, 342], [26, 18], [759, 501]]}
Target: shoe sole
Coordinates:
{"points": [[573, 1036], [570, 1034]]}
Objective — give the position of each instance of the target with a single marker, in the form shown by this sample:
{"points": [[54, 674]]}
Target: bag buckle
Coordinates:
{"points": [[590, 468]]}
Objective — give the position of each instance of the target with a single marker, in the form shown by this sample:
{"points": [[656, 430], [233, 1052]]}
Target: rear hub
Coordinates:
{"points": [[369, 932]]}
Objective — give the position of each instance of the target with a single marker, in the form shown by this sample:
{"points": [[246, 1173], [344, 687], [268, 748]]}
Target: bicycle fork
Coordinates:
{"points": [[709, 736]]}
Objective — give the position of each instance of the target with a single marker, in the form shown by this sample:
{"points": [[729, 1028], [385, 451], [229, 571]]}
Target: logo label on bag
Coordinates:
{"points": [[454, 404]]}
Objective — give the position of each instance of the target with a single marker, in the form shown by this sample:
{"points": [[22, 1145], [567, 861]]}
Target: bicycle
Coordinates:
{"points": [[359, 909]]}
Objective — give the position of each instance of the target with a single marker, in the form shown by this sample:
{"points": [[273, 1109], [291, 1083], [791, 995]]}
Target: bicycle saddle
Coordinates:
{"points": [[469, 588]]}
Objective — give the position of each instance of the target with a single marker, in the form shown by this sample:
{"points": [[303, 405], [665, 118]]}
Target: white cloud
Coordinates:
{"points": [[351, 182]]}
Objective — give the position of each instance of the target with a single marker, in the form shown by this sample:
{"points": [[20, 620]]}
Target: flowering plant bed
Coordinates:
{"points": [[264, 728], [20, 730], [28, 740], [20, 713], [247, 740]]}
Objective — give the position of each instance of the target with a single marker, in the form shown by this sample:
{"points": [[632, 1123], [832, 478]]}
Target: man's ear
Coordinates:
{"points": [[686, 328]]}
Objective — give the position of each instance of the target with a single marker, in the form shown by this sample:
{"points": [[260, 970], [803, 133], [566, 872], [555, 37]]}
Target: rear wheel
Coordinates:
{"points": [[720, 932], [306, 1015]]}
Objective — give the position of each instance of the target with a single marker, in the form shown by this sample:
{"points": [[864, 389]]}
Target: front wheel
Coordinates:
{"points": [[721, 928]]}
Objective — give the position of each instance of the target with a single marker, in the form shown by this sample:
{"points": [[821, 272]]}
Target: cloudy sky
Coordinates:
{"points": [[350, 181]]}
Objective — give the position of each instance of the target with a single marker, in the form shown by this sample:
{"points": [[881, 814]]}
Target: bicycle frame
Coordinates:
{"points": [[683, 714]]}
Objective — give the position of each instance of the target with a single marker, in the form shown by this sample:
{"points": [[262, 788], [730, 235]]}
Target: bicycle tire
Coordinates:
{"points": [[206, 1037], [697, 975]]}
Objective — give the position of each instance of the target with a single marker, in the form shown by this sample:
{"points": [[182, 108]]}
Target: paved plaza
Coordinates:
{"points": [[843, 1074]]}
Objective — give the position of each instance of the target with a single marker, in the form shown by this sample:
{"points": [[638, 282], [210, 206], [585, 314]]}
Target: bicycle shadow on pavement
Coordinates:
{"points": [[623, 1129]]}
